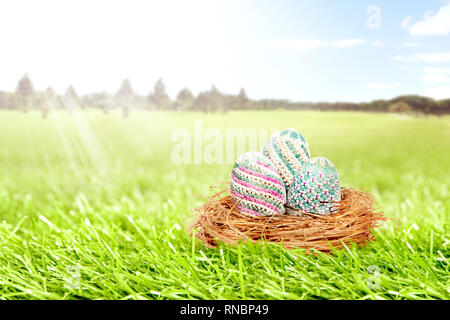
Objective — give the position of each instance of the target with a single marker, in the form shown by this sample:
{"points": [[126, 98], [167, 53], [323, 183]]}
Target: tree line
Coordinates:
{"points": [[26, 98]]}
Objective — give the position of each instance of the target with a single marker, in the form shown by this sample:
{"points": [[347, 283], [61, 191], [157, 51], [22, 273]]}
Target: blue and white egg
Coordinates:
{"points": [[289, 152], [316, 188]]}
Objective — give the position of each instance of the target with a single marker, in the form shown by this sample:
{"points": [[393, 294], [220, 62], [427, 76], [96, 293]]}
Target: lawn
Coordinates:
{"points": [[92, 206]]}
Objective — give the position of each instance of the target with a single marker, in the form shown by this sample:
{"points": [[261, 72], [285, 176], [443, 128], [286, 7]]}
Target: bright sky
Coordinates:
{"points": [[299, 50]]}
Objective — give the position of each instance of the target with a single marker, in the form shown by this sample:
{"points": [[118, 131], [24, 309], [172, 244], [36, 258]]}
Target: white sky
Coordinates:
{"points": [[298, 50], [94, 45]]}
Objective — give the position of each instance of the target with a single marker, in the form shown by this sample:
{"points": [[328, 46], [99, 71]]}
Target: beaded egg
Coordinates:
{"points": [[315, 187], [256, 187], [289, 151]]}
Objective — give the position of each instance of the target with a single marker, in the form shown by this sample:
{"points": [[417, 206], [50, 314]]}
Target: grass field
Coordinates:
{"points": [[92, 207]]}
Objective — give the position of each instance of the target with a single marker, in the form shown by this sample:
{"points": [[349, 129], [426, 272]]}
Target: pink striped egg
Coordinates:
{"points": [[256, 186]]}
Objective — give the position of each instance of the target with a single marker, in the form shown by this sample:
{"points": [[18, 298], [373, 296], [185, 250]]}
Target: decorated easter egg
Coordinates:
{"points": [[289, 152], [315, 187], [256, 187]]}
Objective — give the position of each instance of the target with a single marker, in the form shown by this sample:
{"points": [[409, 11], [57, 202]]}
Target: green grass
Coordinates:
{"points": [[99, 196]]}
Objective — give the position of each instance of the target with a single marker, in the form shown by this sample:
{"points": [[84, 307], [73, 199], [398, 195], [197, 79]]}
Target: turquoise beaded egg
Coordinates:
{"points": [[315, 187], [289, 152], [256, 187]]}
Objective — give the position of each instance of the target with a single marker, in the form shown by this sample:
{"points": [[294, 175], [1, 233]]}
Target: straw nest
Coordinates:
{"points": [[351, 222]]}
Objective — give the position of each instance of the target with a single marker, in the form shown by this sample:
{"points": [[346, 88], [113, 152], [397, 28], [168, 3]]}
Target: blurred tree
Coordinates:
{"points": [[418, 103], [230, 102], [443, 107], [159, 96], [25, 92], [400, 107], [2, 100], [71, 99], [49, 102], [141, 102], [185, 99], [210, 101], [100, 100], [217, 99], [201, 102], [11, 101], [124, 96], [378, 105], [242, 99]]}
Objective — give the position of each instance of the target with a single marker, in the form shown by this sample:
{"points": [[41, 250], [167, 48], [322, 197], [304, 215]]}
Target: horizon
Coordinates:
{"points": [[301, 52], [173, 98]]}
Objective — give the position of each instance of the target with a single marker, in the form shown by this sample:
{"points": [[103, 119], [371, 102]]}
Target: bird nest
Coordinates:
{"points": [[218, 220]]}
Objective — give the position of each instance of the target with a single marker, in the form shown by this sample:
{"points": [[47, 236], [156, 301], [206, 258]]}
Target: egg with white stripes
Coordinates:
{"points": [[316, 187], [289, 152], [256, 187]]}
